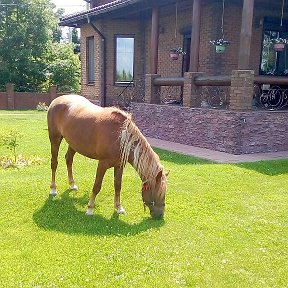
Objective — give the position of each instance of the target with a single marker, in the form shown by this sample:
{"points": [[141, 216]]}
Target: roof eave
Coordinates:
{"points": [[76, 20]]}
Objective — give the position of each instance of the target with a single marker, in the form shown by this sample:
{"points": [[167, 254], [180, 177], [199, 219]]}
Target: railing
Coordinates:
{"points": [[215, 95], [215, 91], [270, 92], [171, 91], [212, 80], [131, 92]]}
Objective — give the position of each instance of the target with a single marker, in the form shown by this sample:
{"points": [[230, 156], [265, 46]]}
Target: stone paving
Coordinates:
{"points": [[215, 156]]}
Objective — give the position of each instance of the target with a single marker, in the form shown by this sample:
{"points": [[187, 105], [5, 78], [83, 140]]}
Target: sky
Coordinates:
{"points": [[70, 6]]}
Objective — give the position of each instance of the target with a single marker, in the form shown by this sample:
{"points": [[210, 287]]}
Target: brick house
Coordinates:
{"points": [[125, 50]]}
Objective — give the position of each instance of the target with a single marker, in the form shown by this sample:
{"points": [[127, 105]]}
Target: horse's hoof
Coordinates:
{"points": [[74, 187], [121, 210], [89, 212], [53, 192]]}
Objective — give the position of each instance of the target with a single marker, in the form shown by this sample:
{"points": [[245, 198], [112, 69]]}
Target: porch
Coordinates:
{"points": [[229, 101]]}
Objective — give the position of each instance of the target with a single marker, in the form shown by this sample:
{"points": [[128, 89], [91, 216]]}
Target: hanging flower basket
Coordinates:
{"points": [[279, 47], [175, 52], [220, 48], [174, 55], [279, 44], [220, 45]]}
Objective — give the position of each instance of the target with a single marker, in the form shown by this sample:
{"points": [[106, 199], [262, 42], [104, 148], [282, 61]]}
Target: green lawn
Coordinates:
{"points": [[225, 225]]}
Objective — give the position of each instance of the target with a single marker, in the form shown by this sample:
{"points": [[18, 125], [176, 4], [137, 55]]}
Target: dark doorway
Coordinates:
{"points": [[186, 57]]}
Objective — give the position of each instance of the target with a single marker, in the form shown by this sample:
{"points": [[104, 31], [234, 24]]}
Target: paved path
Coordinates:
{"points": [[216, 156]]}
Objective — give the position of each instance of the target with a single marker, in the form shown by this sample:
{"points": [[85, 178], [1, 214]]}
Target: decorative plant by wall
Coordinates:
{"points": [[221, 44]]}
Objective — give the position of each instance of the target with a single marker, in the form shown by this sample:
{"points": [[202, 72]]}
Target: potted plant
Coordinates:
{"points": [[220, 45], [279, 44], [175, 52]]}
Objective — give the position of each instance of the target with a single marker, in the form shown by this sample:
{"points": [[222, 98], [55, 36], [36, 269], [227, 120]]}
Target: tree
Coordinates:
{"points": [[63, 67], [27, 31], [57, 33], [76, 40], [75, 36]]}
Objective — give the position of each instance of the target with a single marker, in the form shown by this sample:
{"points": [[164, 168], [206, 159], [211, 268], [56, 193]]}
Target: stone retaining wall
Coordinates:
{"points": [[228, 131]]}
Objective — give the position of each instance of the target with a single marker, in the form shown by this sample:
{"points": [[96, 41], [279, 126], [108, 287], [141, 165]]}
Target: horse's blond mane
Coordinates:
{"points": [[145, 161]]}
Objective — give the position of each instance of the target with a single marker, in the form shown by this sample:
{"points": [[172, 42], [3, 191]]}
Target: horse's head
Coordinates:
{"points": [[153, 195]]}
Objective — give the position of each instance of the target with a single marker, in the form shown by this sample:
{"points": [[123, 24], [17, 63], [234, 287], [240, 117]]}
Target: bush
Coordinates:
{"points": [[42, 106]]}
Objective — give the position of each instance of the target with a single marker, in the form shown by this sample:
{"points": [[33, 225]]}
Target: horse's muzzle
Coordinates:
{"points": [[157, 213]]}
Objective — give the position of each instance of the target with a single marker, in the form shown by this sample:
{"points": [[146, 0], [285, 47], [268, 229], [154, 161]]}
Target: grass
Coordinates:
{"points": [[225, 225]]}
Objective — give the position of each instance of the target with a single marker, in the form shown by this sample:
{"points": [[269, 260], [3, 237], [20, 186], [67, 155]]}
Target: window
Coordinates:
{"points": [[272, 62], [90, 60], [124, 59]]}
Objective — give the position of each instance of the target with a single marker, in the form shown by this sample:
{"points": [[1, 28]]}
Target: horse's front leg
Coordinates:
{"points": [[69, 161], [101, 170], [118, 172], [55, 143]]}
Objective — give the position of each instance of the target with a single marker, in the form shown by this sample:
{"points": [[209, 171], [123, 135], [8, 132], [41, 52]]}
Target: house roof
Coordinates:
{"points": [[81, 17]]}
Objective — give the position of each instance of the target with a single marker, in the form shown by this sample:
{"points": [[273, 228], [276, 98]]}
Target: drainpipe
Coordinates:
{"points": [[103, 52]]}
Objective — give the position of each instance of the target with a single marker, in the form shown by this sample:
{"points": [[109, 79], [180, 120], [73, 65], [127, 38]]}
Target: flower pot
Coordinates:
{"points": [[174, 55], [279, 47], [220, 48]]}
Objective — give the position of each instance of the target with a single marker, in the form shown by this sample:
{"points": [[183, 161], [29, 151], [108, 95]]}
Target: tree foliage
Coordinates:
{"points": [[28, 29], [63, 67]]}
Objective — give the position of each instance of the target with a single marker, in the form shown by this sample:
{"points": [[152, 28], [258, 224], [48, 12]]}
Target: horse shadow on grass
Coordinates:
{"points": [[60, 214]]}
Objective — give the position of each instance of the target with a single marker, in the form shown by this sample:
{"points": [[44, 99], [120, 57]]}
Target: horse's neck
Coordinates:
{"points": [[135, 149], [144, 161]]}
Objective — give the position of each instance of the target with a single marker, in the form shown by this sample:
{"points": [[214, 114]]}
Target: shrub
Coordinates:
{"points": [[41, 106]]}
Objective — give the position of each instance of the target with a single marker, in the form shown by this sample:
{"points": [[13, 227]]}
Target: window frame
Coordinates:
{"points": [[123, 83], [90, 81]]}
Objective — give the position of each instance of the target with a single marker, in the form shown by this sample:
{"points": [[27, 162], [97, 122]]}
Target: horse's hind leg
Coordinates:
{"points": [[55, 141], [69, 161], [118, 172], [101, 170]]}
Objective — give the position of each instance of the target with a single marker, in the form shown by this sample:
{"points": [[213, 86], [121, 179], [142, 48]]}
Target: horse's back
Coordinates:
{"points": [[89, 129], [71, 102]]}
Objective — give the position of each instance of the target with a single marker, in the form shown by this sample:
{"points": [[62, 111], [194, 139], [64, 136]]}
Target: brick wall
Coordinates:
{"points": [[226, 131], [109, 30], [241, 91], [25, 100], [209, 61], [91, 91], [3, 100]]}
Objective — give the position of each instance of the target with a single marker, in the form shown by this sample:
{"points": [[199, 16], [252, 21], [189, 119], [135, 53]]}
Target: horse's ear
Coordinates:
{"points": [[145, 186], [159, 175]]}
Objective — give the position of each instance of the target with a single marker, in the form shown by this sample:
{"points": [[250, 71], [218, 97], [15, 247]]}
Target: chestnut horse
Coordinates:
{"points": [[110, 136]]}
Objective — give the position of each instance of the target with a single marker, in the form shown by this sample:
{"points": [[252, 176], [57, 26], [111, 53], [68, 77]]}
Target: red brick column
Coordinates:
{"points": [[10, 96], [53, 92], [241, 92], [191, 92], [152, 94]]}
